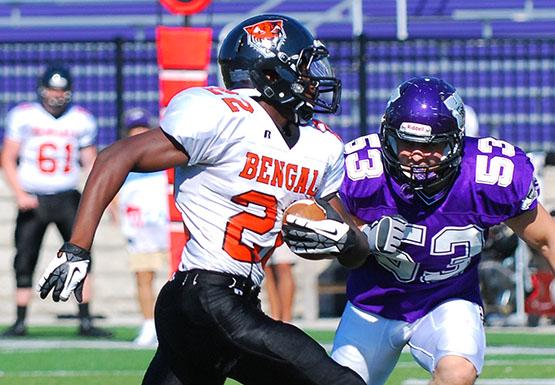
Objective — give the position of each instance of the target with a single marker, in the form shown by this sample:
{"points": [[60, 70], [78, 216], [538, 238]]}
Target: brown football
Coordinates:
{"points": [[305, 208]]}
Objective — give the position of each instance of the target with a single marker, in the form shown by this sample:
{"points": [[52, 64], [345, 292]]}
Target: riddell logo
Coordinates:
{"points": [[266, 36], [416, 129]]}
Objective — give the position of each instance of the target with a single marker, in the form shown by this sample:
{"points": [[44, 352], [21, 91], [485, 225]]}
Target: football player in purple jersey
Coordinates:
{"points": [[437, 192]]}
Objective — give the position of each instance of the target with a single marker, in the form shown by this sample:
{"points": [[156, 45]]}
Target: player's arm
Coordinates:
{"points": [[10, 154], [355, 255], [337, 236], [150, 151], [343, 236], [87, 156], [537, 228]]}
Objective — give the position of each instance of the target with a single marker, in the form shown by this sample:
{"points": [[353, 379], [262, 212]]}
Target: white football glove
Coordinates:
{"points": [[327, 236], [305, 236], [385, 235], [65, 273]]}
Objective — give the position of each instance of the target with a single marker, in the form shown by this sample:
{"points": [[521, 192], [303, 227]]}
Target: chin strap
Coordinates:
{"points": [[303, 112]]}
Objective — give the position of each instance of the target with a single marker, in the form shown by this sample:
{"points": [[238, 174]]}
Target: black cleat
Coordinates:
{"points": [[16, 330], [91, 331]]}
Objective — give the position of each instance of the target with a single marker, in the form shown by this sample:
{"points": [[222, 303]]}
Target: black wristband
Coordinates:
{"points": [[77, 251]]}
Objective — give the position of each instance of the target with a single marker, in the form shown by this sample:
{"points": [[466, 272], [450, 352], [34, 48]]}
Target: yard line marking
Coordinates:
{"points": [[508, 349], [501, 381], [498, 350], [7, 345], [511, 362], [10, 345], [73, 373]]}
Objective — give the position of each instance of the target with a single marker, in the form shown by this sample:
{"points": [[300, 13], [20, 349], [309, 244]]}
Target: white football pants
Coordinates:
{"points": [[371, 345]]}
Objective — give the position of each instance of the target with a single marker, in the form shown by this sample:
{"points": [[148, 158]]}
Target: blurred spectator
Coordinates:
{"points": [[538, 159], [280, 283], [45, 144], [143, 211]]}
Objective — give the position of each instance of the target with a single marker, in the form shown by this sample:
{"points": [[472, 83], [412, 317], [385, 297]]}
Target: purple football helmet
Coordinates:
{"points": [[424, 111]]}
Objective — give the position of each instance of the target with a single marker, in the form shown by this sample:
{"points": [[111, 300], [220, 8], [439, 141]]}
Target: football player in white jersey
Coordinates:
{"points": [[44, 144], [241, 155]]}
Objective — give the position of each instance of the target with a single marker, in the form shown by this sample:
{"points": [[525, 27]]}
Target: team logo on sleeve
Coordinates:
{"points": [[266, 36], [456, 106], [531, 196]]}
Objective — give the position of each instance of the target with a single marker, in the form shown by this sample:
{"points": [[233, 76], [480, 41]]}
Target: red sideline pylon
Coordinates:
{"points": [[183, 59]]}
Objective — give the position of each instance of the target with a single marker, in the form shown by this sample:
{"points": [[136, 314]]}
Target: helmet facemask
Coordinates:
{"points": [[426, 179], [55, 101], [299, 85]]}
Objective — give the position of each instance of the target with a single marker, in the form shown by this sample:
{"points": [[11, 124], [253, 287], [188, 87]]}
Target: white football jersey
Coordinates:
{"points": [[49, 152], [143, 209], [240, 177]]}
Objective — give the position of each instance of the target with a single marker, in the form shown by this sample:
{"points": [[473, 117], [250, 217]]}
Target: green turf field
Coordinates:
{"points": [[53, 356]]}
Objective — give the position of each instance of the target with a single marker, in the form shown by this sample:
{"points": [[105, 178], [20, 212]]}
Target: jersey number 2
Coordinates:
{"points": [[234, 243]]}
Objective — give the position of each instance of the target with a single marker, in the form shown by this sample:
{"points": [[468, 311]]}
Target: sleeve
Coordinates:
{"points": [[89, 132], [335, 171], [15, 125], [525, 186], [193, 119], [519, 196]]}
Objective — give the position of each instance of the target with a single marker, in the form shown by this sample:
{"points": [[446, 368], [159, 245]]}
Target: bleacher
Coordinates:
{"points": [[506, 78]]}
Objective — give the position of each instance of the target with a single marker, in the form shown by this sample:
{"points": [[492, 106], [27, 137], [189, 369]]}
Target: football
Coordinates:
{"points": [[305, 208]]}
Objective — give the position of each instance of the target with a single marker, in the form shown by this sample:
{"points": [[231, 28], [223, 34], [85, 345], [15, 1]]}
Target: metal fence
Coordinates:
{"points": [[509, 82]]}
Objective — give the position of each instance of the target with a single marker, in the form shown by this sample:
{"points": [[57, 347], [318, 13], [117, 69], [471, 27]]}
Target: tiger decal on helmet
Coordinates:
{"points": [[266, 36]]}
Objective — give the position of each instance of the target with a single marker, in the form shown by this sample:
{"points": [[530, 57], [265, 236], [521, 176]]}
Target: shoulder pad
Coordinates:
{"points": [[323, 127], [364, 173], [501, 175]]}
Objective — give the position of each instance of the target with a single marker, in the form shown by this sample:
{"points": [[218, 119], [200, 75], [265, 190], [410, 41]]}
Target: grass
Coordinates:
{"points": [[119, 366]]}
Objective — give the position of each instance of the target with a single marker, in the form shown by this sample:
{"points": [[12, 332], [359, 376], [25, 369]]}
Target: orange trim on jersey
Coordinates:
{"points": [[323, 127]]}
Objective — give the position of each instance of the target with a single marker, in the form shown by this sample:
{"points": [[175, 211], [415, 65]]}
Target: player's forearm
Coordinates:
{"points": [[105, 179], [88, 155], [356, 255], [10, 172]]}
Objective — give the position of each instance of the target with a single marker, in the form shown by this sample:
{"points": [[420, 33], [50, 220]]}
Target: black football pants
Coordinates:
{"points": [[31, 225], [210, 327]]}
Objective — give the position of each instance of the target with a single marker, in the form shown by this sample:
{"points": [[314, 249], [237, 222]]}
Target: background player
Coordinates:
{"points": [[280, 283], [44, 146], [440, 191], [143, 217], [241, 156]]}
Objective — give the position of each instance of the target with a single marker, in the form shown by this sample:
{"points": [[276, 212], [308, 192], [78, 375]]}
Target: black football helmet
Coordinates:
{"points": [[280, 58], [55, 77], [424, 110]]}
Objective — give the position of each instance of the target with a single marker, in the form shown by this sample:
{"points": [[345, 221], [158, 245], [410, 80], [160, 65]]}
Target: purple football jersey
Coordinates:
{"points": [[439, 256]]}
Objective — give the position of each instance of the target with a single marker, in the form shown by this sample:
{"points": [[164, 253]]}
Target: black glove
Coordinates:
{"points": [[386, 234], [66, 273], [327, 236]]}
